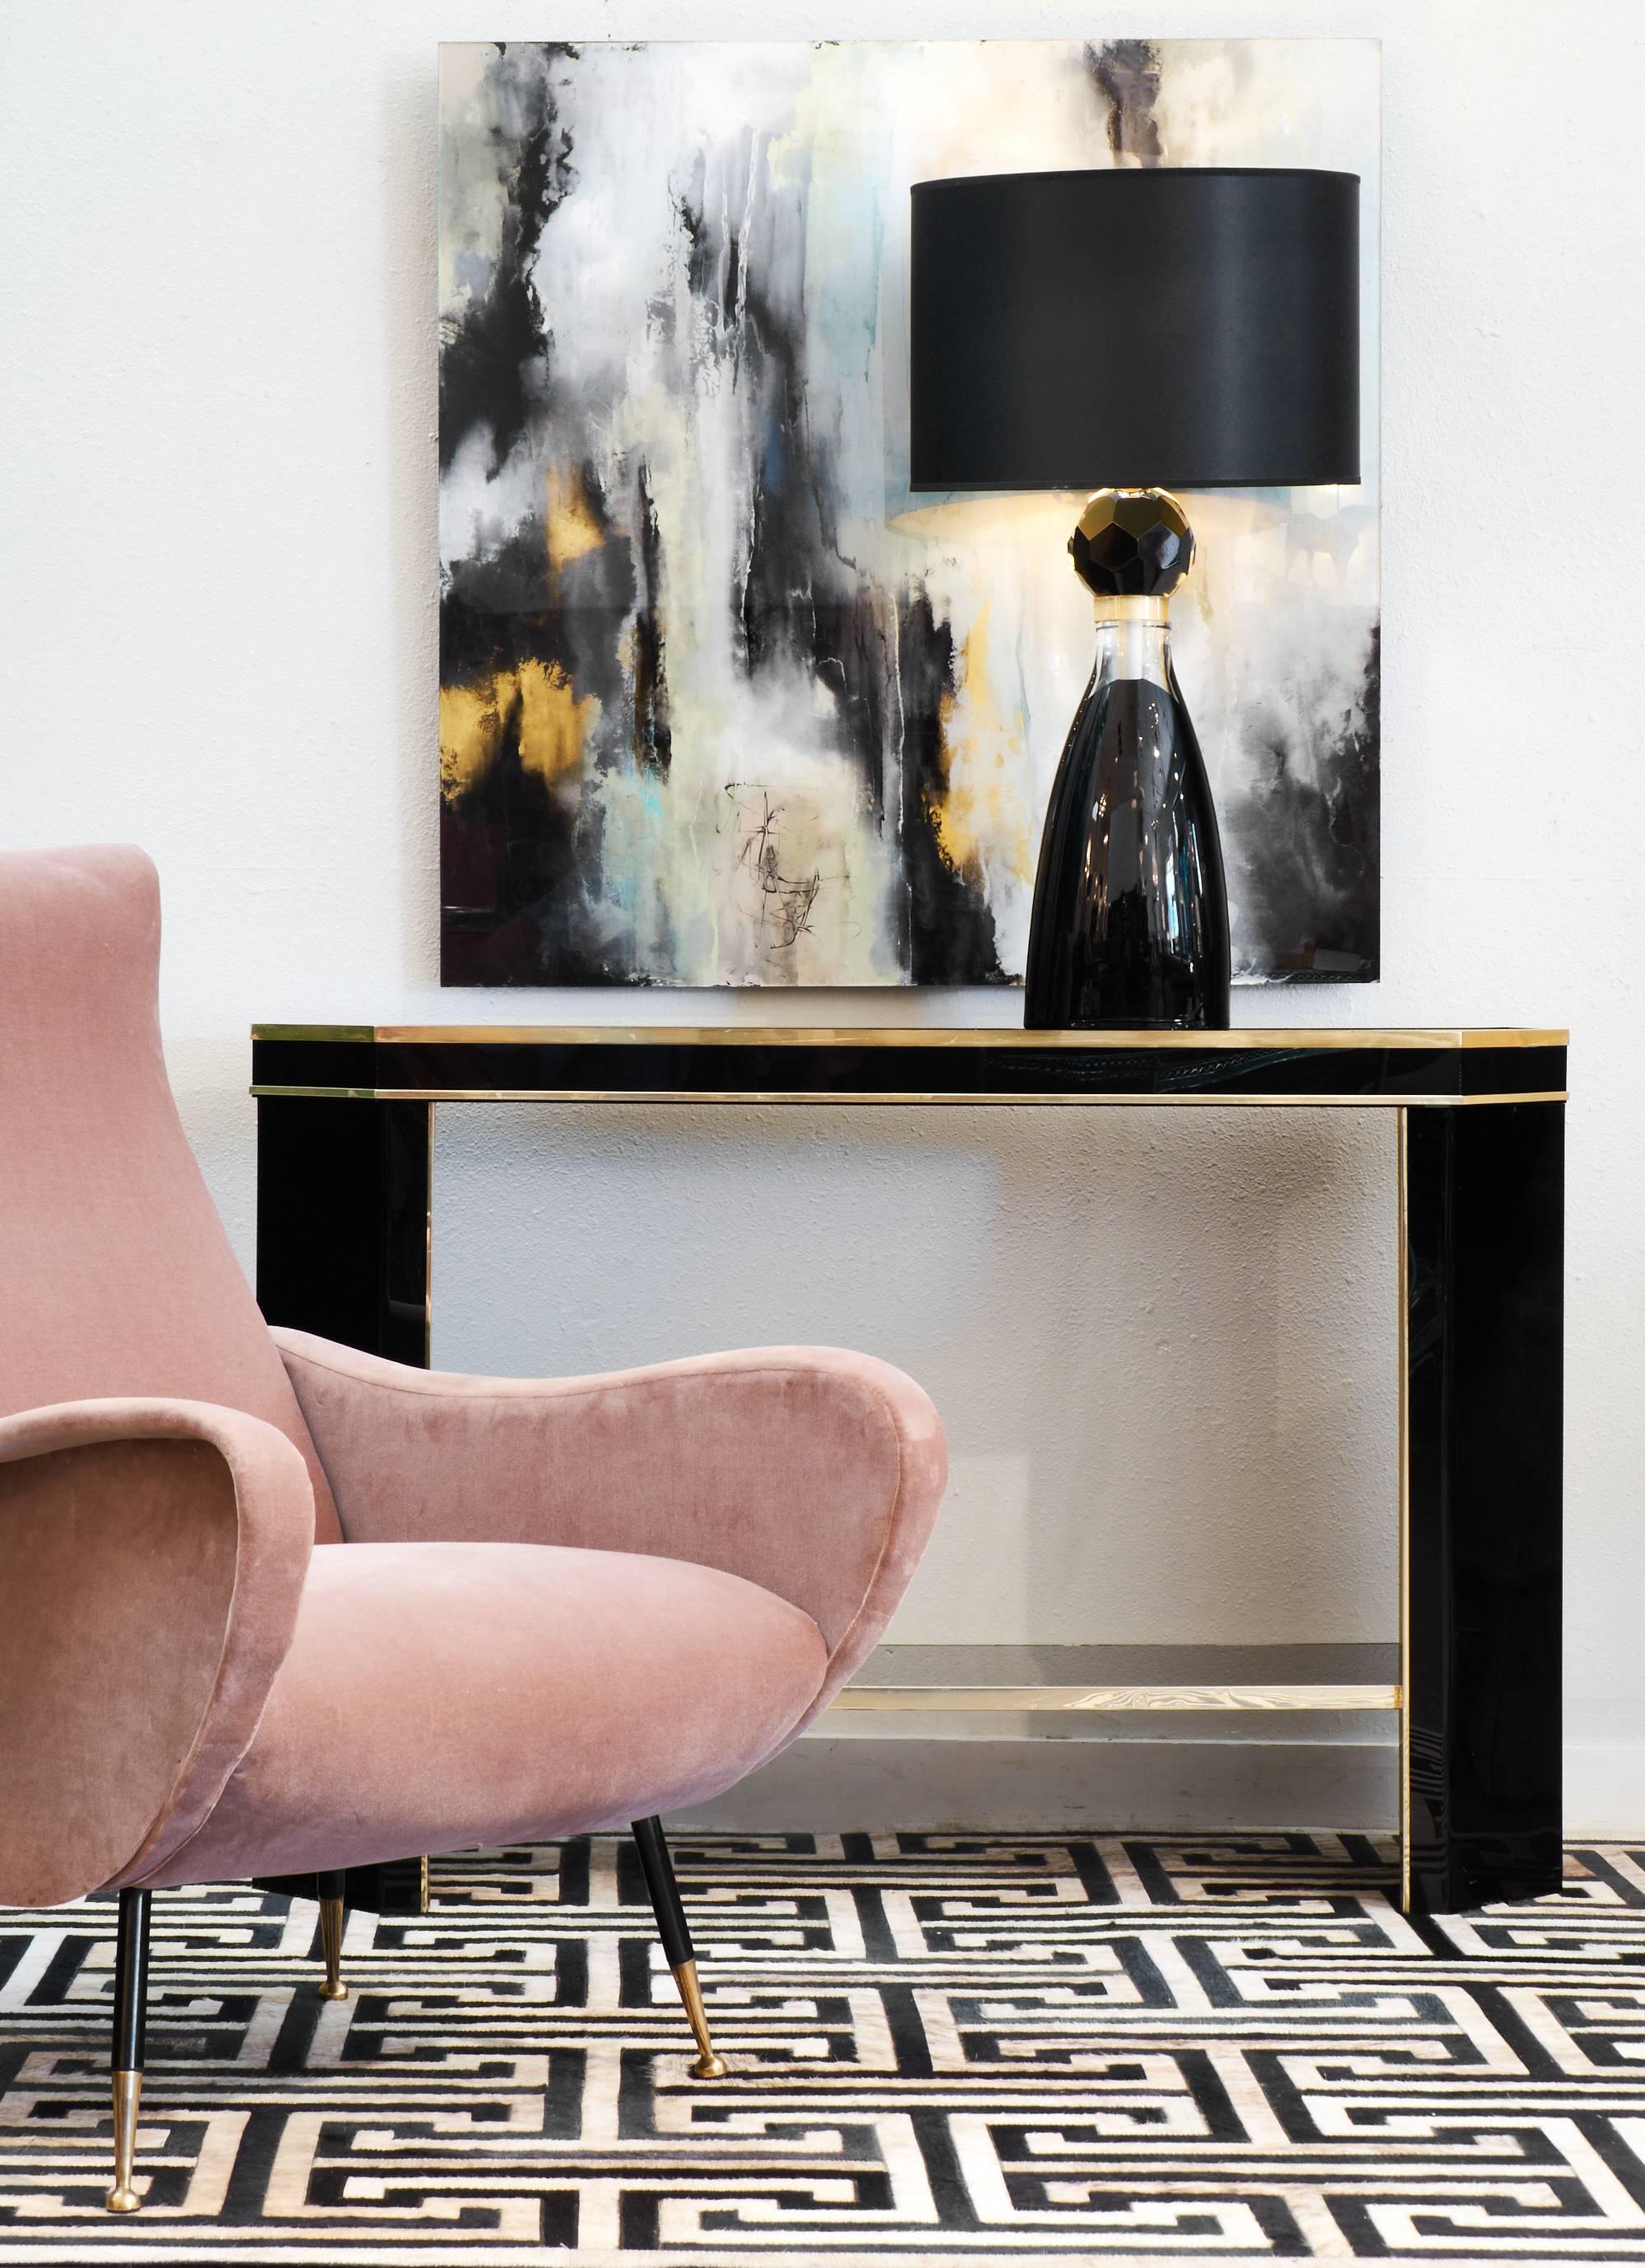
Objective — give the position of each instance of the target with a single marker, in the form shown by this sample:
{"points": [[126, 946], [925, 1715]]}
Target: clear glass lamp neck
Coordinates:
{"points": [[1132, 639]]}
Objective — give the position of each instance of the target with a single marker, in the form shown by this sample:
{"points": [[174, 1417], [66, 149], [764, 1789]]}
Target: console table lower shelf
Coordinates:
{"points": [[345, 1119], [1318, 1684], [1108, 1681]]}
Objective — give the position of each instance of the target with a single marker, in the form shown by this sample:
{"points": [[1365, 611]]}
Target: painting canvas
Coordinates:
{"points": [[722, 702]]}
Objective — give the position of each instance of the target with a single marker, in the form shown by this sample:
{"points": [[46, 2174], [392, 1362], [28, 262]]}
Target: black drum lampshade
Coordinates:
{"points": [[1130, 328]]}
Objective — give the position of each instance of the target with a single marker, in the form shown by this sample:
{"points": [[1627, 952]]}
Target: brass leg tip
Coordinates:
{"points": [[126, 2089], [331, 1923], [707, 2065]]}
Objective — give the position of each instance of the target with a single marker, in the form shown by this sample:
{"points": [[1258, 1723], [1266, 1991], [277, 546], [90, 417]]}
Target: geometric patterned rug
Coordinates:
{"points": [[943, 2049]]}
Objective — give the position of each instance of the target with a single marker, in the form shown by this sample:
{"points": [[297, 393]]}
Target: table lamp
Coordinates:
{"points": [[1133, 331]]}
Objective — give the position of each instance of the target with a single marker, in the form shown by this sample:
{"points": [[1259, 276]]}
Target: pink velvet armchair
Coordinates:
{"points": [[272, 1606]]}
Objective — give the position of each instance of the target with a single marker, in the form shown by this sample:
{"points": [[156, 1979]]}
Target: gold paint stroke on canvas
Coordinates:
{"points": [[981, 813], [570, 529], [538, 699]]}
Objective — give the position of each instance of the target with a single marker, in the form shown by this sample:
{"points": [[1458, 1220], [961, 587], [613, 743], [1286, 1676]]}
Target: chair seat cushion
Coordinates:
{"points": [[441, 1696]]}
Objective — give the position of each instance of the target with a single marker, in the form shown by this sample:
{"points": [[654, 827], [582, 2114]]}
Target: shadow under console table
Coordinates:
{"points": [[344, 1124]]}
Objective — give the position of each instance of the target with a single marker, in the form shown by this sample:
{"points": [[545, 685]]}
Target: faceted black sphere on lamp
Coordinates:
{"points": [[1145, 330], [1132, 543]]}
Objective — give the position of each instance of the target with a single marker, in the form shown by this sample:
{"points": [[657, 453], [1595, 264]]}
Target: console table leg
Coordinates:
{"points": [[342, 1220], [1482, 1205]]}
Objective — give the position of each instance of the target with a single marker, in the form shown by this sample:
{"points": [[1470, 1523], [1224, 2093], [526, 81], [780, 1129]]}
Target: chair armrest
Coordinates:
{"points": [[812, 1472], [152, 1553]]}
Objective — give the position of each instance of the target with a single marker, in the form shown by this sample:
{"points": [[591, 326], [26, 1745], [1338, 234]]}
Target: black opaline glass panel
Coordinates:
{"points": [[314, 1063], [342, 1209], [395, 1887], [1512, 1071], [1485, 1210], [686, 1067]]}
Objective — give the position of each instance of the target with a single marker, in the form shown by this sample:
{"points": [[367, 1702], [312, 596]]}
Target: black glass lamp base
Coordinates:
{"points": [[1130, 920], [1130, 917]]}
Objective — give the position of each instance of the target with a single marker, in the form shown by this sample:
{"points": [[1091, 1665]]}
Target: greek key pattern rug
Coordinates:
{"points": [[943, 2049]]}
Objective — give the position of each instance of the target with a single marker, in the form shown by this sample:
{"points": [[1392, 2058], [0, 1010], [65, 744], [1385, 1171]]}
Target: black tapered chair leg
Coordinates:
{"points": [[131, 1994], [329, 1889], [673, 1928]]}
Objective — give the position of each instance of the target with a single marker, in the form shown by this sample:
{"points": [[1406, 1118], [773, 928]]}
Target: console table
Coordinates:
{"points": [[344, 1124]]}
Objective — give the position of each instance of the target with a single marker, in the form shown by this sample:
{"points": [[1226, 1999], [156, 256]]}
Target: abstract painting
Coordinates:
{"points": [[722, 702]]}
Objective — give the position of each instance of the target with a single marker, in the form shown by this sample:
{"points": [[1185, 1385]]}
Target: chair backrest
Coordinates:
{"points": [[115, 1274]]}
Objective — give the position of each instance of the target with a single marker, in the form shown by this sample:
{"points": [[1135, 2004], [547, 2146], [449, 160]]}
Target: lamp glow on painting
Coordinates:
{"points": [[1134, 331]]}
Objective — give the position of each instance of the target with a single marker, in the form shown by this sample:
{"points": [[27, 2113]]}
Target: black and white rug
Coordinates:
{"points": [[944, 2049]]}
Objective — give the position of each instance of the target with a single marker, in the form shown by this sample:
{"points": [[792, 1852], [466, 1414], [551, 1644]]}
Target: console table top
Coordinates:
{"points": [[781, 1063], [1305, 1041]]}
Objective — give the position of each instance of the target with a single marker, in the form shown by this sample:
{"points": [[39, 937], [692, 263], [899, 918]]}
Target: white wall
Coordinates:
{"points": [[217, 636]]}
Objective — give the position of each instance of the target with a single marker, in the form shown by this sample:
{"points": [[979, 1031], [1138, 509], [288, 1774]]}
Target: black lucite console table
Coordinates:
{"points": [[344, 1123]]}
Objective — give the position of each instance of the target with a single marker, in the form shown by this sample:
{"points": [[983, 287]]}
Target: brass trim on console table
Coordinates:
{"points": [[1027, 1700], [1152, 1099], [1402, 1269], [879, 1036]]}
